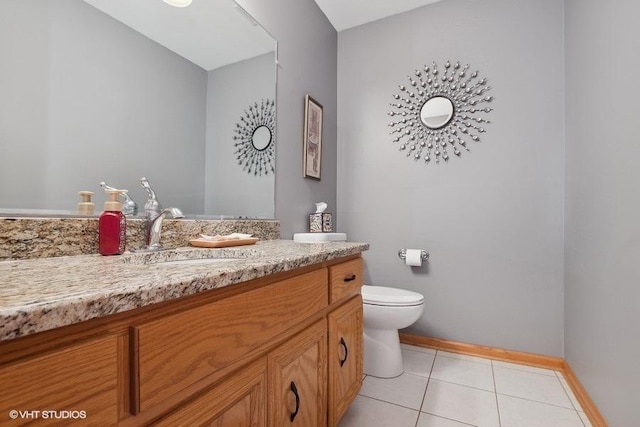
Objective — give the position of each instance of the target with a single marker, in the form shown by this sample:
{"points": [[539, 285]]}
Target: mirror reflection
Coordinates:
{"points": [[114, 90], [261, 138], [436, 112]]}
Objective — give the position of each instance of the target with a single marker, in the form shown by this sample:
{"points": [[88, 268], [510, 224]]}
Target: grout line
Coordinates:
{"points": [[495, 388], [540, 402], [433, 363], [582, 420], [562, 384], [465, 385], [468, 358], [450, 419], [530, 371], [390, 403], [567, 392], [424, 394], [419, 411]]}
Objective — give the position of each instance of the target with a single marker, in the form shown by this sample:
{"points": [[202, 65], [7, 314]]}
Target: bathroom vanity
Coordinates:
{"points": [[267, 335]]}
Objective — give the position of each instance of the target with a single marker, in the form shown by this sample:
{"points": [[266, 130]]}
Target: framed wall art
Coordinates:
{"points": [[312, 161]]}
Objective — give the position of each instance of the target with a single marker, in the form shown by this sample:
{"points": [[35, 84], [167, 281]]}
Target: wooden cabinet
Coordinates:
{"points": [[282, 350], [345, 357], [345, 280], [239, 400], [176, 351], [298, 378], [75, 385]]}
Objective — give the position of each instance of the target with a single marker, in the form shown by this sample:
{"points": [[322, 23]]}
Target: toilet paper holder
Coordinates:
{"points": [[424, 255]]}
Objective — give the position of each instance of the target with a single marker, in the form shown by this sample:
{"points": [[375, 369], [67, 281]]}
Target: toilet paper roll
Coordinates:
{"points": [[413, 257]]}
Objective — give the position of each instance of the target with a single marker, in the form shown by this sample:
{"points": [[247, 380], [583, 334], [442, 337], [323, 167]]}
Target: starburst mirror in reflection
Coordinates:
{"points": [[439, 111], [255, 138]]}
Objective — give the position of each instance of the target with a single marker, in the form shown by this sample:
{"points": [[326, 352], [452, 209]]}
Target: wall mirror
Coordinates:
{"points": [[114, 90], [261, 138], [440, 110], [254, 139], [436, 112]]}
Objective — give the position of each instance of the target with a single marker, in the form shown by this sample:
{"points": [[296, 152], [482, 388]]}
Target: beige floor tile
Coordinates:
{"points": [[428, 420], [567, 389], [367, 412], [453, 390], [416, 348], [526, 368], [464, 357], [528, 385], [585, 419], [417, 362], [463, 372], [461, 403], [406, 390], [515, 412]]}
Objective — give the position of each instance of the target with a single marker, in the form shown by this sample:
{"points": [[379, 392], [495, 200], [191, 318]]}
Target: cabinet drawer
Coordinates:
{"points": [[80, 378], [345, 279], [176, 351]]}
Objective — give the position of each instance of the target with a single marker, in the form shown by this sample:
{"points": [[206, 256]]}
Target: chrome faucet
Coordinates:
{"points": [[154, 227], [154, 215], [153, 207]]}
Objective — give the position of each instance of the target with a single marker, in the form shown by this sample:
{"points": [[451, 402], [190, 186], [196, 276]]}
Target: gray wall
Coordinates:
{"points": [[307, 46], [229, 189], [492, 219], [86, 99], [602, 279]]}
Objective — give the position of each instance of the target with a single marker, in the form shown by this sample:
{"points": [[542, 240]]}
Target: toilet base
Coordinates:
{"points": [[382, 356]]}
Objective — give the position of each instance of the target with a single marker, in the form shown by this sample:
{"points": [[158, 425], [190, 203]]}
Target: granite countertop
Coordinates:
{"points": [[41, 294]]}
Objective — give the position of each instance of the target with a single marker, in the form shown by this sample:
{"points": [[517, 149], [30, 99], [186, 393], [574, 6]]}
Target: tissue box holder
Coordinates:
{"points": [[320, 223]]}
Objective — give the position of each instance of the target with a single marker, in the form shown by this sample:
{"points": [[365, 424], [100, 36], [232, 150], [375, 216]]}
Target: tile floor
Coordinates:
{"points": [[441, 389]]}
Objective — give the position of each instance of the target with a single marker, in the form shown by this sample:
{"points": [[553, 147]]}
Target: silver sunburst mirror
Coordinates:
{"points": [[440, 110], [255, 138]]}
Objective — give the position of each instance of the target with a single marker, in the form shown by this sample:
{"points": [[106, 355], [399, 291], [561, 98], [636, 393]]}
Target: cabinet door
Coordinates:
{"points": [[76, 385], [345, 357], [298, 380], [239, 401]]}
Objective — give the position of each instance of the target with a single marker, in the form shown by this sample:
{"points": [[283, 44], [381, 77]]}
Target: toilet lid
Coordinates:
{"points": [[381, 295]]}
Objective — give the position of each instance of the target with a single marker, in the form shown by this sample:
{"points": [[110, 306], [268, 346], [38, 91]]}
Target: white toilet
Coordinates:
{"points": [[385, 311]]}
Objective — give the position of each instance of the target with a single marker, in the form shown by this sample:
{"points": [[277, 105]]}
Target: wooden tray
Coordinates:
{"points": [[204, 243]]}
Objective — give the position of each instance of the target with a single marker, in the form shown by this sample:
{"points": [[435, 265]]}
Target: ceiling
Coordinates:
{"points": [[202, 32], [209, 33], [344, 14]]}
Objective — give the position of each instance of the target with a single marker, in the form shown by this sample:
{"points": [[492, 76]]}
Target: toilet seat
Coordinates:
{"points": [[390, 297]]}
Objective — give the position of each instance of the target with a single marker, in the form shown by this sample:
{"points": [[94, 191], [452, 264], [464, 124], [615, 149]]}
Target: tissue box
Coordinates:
{"points": [[327, 223], [320, 222]]}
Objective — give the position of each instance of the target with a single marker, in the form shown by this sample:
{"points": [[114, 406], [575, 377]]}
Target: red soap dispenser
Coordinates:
{"points": [[112, 226]]}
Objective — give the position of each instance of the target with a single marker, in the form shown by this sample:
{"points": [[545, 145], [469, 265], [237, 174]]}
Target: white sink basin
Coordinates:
{"points": [[319, 237], [198, 261], [189, 256]]}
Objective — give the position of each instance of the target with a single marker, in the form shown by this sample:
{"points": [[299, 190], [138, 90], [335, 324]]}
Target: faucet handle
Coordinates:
{"points": [[145, 184], [153, 207]]}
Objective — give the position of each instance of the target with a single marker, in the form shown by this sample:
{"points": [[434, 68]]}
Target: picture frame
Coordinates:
{"points": [[312, 161]]}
